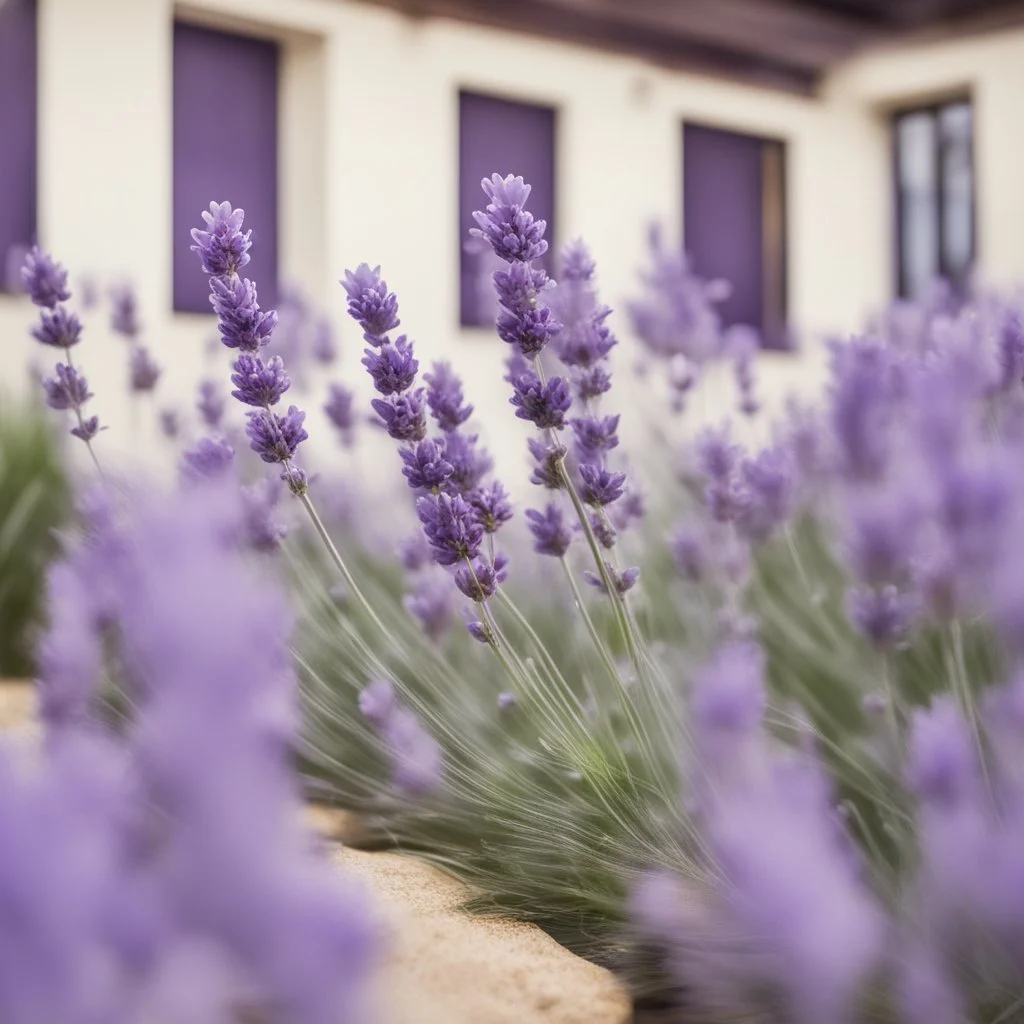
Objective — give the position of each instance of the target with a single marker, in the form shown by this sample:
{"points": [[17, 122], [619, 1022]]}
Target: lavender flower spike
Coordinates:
{"points": [[143, 369], [370, 303], [222, 248], [45, 280], [275, 438], [542, 404], [445, 398], [505, 225], [339, 410], [551, 533]]}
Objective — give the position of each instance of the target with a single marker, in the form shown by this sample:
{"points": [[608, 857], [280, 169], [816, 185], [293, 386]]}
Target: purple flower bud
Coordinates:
{"points": [[594, 436], [529, 331], [510, 230], [551, 533], [45, 280], [519, 286], [87, 430], [222, 248], [67, 390], [547, 457], [425, 466], [392, 366], [622, 582], [576, 261], [592, 383], [942, 767], [403, 415], [211, 403], [600, 486], [274, 438], [417, 762], [542, 404], [480, 631], [451, 526], [768, 484], [143, 370], [414, 552], [730, 693], [444, 396], [325, 350], [717, 456], [377, 702], [241, 322], [124, 316], [480, 582], [58, 328], [470, 462], [492, 505], [170, 423], [339, 408], [210, 458], [257, 382], [370, 303], [603, 530], [430, 603], [883, 615]]}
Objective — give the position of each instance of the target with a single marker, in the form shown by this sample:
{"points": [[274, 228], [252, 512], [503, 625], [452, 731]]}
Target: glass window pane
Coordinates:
{"points": [[917, 185], [956, 129]]}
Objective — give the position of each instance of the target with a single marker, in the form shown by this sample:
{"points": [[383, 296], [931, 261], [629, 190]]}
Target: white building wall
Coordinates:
{"points": [[369, 162]]}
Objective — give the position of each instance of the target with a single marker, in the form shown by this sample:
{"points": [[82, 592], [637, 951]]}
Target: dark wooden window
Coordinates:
{"points": [[225, 148], [934, 185], [734, 224], [498, 136]]}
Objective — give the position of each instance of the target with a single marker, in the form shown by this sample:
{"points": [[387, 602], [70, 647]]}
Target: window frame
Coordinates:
{"points": [[781, 299], [932, 109]]}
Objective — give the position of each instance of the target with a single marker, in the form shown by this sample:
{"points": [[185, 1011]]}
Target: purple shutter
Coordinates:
{"points": [[225, 148], [17, 132], [499, 136], [733, 223]]}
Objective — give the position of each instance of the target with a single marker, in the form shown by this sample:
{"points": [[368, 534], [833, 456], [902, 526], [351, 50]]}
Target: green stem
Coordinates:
{"points": [[81, 421]]}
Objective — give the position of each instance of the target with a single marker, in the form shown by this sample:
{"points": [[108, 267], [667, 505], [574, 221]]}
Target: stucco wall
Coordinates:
{"points": [[369, 130]]}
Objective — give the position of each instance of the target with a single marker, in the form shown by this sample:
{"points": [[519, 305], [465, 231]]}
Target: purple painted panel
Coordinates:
{"points": [[723, 216], [225, 148], [508, 138], [17, 129]]}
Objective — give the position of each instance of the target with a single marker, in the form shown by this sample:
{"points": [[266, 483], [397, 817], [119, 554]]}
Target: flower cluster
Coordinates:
{"points": [[46, 282], [223, 249], [455, 504], [171, 852]]}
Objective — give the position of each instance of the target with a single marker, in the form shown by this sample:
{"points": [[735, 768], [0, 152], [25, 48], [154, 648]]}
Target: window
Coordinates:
{"points": [[225, 148], [18, 134], [499, 136], [934, 196], [734, 224]]}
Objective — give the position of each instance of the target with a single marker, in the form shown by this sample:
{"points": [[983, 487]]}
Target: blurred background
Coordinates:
{"points": [[823, 156]]}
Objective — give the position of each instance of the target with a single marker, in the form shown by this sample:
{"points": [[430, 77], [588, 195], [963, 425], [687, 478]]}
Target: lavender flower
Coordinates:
{"points": [[445, 398], [241, 322], [883, 615], [542, 404], [451, 527], [623, 581], [275, 438], [58, 328], [392, 367], [595, 435], [600, 486], [492, 506], [325, 349], [370, 303], [768, 486], [222, 248], [211, 457], [124, 316], [430, 603], [45, 280], [339, 410], [67, 390], [143, 370], [469, 460], [259, 383], [377, 702], [416, 756], [551, 533], [505, 225], [425, 466], [403, 415], [547, 460], [414, 552], [87, 429], [211, 404], [261, 531], [480, 580]]}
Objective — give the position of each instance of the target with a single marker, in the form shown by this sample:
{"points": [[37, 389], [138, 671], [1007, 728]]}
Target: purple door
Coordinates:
{"points": [[733, 204], [499, 136], [225, 148], [17, 134]]}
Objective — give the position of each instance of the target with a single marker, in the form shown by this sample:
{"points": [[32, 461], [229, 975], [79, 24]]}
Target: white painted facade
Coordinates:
{"points": [[368, 161]]}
